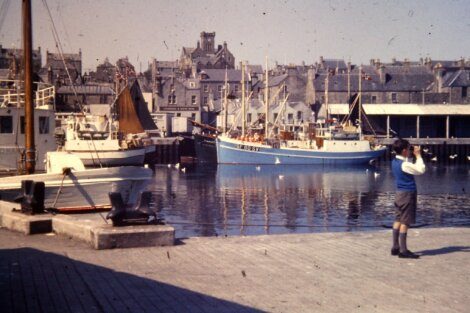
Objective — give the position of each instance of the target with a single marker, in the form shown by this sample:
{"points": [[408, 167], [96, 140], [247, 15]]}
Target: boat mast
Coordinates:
{"points": [[30, 150], [225, 102], [266, 101], [243, 100], [360, 98], [326, 96]]}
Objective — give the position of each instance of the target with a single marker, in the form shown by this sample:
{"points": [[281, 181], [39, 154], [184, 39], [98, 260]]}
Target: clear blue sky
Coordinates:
{"points": [[287, 31]]}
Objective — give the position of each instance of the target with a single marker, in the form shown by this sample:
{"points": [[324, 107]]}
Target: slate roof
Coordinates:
{"points": [[459, 78], [218, 75], [398, 78], [86, 89], [255, 68]]}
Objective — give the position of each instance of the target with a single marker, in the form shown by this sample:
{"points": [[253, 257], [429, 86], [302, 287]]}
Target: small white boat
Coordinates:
{"points": [[80, 188], [96, 141]]}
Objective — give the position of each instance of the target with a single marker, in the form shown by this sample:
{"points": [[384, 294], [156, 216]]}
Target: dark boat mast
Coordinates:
{"points": [[30, 149]]}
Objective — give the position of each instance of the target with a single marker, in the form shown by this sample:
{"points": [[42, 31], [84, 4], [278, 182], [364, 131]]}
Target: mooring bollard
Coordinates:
{"points": [[140, 213], [32, 197]]}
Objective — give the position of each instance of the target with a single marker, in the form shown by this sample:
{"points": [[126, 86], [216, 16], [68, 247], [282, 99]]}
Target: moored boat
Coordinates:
{"points": [[78, 188]]}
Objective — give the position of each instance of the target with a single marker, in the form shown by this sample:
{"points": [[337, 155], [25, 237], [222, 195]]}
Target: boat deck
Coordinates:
{"points": [[324, 272]]}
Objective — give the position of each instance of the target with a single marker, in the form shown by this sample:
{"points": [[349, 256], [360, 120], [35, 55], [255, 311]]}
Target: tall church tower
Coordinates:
{"points": [[207, 42]]}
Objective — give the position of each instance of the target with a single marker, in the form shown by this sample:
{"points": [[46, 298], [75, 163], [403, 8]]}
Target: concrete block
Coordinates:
{"points": [[68, 225], [99, 235], [109, 237], [26, 224]]}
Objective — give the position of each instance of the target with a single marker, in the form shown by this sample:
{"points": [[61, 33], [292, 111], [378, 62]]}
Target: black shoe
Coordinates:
{"points": [[395, 251], [408, 255]]}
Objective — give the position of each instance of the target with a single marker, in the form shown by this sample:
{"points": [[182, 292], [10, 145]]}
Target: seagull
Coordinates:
{"points": [[434, 159], [425, 150], [376, 174], [177, 165], [452, 156], [183, 170], [258, 168], [277, 161], [281, 177]]}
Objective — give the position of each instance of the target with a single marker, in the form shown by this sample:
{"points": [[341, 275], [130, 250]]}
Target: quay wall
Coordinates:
{"points": [[436, 150]]}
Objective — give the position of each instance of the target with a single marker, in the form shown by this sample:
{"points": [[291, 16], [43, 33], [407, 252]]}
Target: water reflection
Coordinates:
{"points": [[247, 200]]}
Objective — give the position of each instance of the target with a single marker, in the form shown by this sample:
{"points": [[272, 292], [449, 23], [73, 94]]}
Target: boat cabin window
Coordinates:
{"points": [[6, 124], [44, 125]]}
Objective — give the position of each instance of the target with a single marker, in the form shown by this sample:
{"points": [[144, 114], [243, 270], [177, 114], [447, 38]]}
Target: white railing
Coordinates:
{"points": [[10, 94]]}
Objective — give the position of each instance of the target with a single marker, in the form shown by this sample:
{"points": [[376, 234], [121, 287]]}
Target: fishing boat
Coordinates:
{"points": [[68, 185], [12, 124], [96, 141], [323, 142], [71, 187]]}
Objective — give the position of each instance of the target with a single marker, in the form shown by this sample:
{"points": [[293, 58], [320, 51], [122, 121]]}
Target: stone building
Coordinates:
{"points": [[206, 56], [55, 72], [12, 58]]}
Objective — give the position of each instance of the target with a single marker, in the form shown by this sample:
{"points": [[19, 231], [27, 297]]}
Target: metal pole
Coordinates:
{"points": [[28, 89], [388, 126], [243, 100], [266, 100]]}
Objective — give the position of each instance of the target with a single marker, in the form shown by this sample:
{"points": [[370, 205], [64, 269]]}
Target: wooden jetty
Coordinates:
{"points": [[322, 272]]}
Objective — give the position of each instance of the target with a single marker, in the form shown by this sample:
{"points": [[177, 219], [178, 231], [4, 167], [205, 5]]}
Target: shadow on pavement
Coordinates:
{"points": [[444, 250], [36, 281]]}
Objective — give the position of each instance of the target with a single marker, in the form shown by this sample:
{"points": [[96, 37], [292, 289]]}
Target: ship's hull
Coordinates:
{"points": [[112, 158], [205, 149], [82, 190], [232, 151]]}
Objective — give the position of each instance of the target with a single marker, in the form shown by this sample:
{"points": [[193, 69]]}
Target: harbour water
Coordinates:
{"points": [[252, 200]]}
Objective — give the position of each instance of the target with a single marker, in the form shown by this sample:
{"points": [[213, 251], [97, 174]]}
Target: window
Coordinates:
{"points": [[193, 116], [464, 92], [44, 124], [373, 99], [206, 88], [178, 114], [299, 115], [394, 97], [248, 117], [219, 88], [6, 124], [192, 84], [193, 99], [205, 100], [235, 88], [290, 117], [171, 99]]}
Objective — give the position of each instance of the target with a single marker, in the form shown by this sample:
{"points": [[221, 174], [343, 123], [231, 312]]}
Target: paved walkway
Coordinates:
{"points": [[332, 272]]}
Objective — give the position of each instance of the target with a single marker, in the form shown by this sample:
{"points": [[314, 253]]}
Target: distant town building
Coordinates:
{"points": [[206, 56], [11, 60], [62, 69]]}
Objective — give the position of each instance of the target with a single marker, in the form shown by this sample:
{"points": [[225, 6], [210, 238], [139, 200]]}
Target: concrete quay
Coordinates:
{"points": [[320, 272], [92, 229]]}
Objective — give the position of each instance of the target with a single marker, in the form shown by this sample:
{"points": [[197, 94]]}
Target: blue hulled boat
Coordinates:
{"points": [[335, 151]]}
